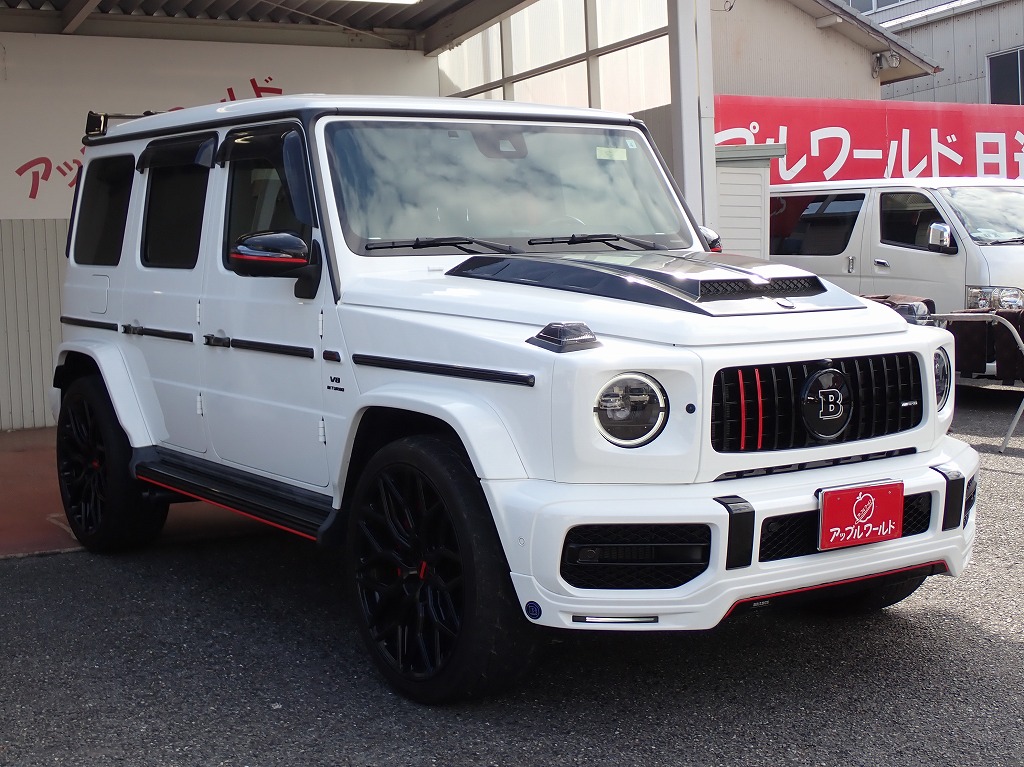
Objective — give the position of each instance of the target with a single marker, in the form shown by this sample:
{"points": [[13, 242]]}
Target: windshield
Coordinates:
{"points": [[429, 187], [991, 214]]}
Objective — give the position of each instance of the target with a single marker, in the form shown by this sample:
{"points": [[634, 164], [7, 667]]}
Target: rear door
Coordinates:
{"points": [[900, 261], [821, 232]]}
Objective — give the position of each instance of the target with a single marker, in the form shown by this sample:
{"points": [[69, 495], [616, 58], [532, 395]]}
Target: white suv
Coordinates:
{"points": [[482, 346]]}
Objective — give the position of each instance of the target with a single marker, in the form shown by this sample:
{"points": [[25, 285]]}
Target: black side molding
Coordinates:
{"points": [[79, 322], [439, 369]]}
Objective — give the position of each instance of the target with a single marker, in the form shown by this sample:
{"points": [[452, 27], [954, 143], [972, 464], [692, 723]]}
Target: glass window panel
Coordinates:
{"points": [[1004, 78], [566, 87], [475, 62], [617, 20], [496, 94], [636, 78], [547, 31], [103, 211]]}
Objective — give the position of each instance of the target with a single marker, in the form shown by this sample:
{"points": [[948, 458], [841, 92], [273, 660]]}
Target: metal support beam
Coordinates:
{"points": [[693, 106], [74, 13]]}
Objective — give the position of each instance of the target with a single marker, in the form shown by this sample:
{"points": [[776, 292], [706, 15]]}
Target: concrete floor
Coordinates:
{"points": [[32, 517]]}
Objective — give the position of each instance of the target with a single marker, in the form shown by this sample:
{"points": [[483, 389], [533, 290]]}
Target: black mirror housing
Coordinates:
{"points": [[269, 254]]}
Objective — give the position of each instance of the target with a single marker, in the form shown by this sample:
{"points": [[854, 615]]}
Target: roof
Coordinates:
{"points": [[275, 106], [427, 25], [868, 34]]}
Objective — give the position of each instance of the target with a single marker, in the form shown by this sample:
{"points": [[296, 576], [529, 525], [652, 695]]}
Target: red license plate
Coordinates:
{"points": [[851, 516]]}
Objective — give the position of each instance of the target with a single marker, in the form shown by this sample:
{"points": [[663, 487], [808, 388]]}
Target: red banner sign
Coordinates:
{"points": [[843, 138]]}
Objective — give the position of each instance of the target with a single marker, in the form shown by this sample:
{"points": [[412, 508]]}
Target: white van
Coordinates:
{"points": [[958, 241]]}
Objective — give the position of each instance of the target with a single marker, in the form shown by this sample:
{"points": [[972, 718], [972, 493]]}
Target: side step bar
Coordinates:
{"points": [[292, 509]]}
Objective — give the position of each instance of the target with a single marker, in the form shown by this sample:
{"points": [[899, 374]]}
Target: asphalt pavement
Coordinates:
{"points": [[242, 651]]}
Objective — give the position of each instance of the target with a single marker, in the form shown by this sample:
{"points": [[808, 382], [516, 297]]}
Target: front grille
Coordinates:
{"points": [[635, 556], [796, 535], [970, 496], [758, 408]]}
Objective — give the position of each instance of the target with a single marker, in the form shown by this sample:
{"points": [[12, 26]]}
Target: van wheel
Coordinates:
{"points": [[866, 600], [103, 502], [431, 583]]}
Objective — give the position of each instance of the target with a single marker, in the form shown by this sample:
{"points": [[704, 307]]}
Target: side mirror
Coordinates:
{"points": [[713, 239], [268, 254], [940, 239]]}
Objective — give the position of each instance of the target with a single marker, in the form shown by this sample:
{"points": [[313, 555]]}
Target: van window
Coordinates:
{"points": [[103, 211], [178, 172], [813, 225], [905, 218]]}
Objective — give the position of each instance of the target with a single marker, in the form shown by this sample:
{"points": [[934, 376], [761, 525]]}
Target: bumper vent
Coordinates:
{"points": [[635, 556], [970, 497], [796, 535], [758, 408]]}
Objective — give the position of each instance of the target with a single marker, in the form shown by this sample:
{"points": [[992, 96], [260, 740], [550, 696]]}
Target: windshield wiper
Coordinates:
{"points": [[1007, 241], [607, 239], [440, 242]]}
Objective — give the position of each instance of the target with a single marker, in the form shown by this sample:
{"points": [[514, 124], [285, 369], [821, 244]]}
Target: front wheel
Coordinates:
{"points": [[104, 504], [431, 583]]}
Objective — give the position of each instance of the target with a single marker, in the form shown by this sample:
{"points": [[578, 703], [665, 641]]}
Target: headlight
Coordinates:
{"points": [[984, 297], [631, 410], [943, 378]]}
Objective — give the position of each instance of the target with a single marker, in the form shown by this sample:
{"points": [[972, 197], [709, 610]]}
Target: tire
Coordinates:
{"points": [[867, 600], [104, 503], [429, 578]]}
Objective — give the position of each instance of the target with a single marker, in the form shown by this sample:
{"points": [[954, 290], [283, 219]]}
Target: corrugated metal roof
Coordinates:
{"points": [[427, 25]]}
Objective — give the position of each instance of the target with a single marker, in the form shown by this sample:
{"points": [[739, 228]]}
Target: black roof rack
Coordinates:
{"points": [[96, 122]]}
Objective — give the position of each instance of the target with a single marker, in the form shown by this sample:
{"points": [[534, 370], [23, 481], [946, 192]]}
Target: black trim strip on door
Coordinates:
{"points": [[439, 369], [141, 330], [77, 322], [263, 346]]}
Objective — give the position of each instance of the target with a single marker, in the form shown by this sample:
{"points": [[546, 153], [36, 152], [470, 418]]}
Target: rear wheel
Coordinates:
{"points": [[430, 579], [104, 503], [866, 600]]}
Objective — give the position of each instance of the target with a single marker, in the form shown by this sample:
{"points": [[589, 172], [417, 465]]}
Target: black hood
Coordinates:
{"points": [[726, 286]]}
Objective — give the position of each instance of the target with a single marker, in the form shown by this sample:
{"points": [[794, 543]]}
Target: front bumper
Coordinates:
{"points": [[533, 518]]}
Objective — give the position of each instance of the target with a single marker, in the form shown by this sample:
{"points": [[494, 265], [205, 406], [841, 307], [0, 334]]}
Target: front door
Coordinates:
{"points": [[262, 355], [901, 262]]}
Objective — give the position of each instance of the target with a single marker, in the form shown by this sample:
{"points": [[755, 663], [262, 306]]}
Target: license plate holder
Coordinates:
{"points": [[853, 516]]}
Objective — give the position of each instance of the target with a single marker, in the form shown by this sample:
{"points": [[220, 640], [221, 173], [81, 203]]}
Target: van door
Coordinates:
{"points": [[900, 261], [821, 232], [262, 352], [163, 281]]}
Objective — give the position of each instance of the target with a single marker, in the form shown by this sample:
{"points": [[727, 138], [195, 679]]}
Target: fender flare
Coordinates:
{"points": [[124, 394], [487, 440]]}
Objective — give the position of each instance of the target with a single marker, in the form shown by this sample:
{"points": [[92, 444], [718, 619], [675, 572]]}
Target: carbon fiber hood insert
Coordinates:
{"points": [[727, 286]]}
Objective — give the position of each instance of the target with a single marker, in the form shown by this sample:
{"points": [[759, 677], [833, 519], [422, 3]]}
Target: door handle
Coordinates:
{"points": [[849, 264], [211, 340], [881, 262]]}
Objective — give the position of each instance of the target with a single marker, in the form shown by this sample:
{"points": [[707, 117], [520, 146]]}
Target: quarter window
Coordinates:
{"points": [[103, 211]]}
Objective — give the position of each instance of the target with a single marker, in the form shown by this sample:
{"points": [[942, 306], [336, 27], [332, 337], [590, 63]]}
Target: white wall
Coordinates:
{"points": [[48, 83], [772, 48]]}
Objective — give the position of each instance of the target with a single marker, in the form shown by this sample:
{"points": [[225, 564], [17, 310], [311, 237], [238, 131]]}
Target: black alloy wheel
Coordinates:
{"points": [[430, 580], [105, 507]]}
